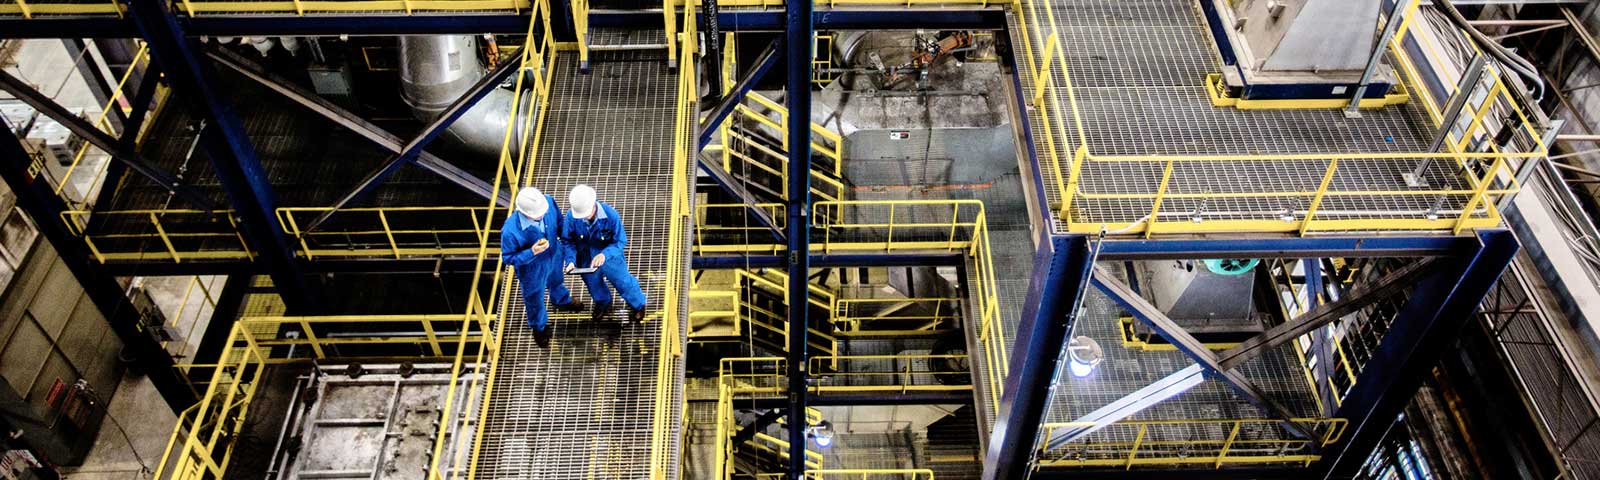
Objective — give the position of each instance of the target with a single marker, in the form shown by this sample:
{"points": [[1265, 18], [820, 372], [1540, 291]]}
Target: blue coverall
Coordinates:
{"points": [[603, 235], [537, 273]]}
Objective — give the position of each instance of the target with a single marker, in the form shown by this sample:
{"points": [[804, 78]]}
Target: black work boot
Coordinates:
{"points": [[636, 314], [600, 312], [542, 337], [574, 307]]}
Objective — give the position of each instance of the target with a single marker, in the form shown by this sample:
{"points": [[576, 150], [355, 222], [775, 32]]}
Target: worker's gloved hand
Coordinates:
{"points": [[599, 260], [567, 269], [540, 247]]}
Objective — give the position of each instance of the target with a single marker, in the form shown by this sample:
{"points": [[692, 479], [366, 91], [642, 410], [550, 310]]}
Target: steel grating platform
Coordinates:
{"points": [[584, 407], [1139, 67]]}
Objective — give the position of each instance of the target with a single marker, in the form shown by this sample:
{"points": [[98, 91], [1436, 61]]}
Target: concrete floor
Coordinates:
{"points": [[132, 437]]}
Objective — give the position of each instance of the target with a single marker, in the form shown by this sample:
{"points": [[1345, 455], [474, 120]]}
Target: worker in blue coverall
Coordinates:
{"points": [[595, 238], [530, 242]]}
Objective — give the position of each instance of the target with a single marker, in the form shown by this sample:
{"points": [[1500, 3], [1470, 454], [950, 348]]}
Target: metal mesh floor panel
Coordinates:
{"points": [[583, 408], [1139, 67]]}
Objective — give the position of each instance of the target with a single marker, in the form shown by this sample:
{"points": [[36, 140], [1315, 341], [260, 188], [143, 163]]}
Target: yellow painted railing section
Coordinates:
{"points": [[376, 232], [851, 323], [1066, 150], [152, 239], [202, 442], [395, 232], [1202, 441]]}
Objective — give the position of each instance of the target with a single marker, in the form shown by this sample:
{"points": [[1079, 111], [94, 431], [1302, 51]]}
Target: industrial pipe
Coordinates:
{"points": [[435, 70]]}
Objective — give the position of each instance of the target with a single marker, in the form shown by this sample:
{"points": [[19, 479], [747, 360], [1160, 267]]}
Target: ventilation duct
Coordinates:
{"points": [[436, 70]]}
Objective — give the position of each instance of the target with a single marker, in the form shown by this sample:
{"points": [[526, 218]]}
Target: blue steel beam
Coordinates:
{"points": [[340, 116], [232, 154], [1175, 334], [1427, 326], [1061, 276], [432, 131], [38, 199], [764, 63], [798, 34], [439, 23]]}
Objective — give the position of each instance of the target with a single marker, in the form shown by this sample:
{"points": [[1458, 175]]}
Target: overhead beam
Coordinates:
{"points": [[831, 260], [1175, 334], [735, 96], [101, 140], [1416, 339], [356, 124], [1360, 297], [413, 149], [1061, 271], [440, 23], [232, 153]]}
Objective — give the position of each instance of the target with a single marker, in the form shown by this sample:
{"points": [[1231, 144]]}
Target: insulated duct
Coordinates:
{"points": [[436, 70]]}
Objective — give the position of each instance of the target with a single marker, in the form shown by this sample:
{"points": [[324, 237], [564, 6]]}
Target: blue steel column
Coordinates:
{"points": [[1428, 324], [797, 45], [232, 154], [1061, 276]]}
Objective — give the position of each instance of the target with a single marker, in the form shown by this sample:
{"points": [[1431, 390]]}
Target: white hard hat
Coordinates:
{"points": [[531, 202], [581, 201]]}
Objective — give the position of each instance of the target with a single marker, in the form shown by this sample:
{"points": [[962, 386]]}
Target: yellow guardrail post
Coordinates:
{"points": [[1041, 77], [156, 221], [1316, 201], [1228, 444], [1137, 441], [1155, 205]]}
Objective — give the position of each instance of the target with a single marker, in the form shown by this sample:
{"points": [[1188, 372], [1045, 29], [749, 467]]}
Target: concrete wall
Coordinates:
{"points": [[50, 331]]}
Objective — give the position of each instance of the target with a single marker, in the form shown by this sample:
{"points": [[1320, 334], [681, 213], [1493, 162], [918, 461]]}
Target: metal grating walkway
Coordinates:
{"points": [[584, 407], [1139, 67]]}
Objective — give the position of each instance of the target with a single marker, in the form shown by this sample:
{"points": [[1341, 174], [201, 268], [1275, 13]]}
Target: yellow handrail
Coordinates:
{"points": [[538, 55], [1055, 123]]}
